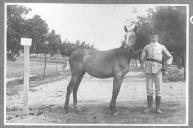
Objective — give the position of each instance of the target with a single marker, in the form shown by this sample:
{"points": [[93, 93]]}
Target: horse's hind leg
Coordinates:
{"points": [[70, 87], [75, 89]]}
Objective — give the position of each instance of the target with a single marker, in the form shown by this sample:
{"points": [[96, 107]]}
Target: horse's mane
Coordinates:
{"points": [[122, 44]]}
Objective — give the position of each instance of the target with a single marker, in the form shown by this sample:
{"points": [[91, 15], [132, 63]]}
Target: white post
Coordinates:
{"points": [[27, 43], [26, 80]]}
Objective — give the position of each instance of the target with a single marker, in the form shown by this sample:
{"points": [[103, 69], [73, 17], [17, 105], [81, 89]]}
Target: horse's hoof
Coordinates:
{"points": [[66, 111], [66, 108], [114, 113], [112, 109]]}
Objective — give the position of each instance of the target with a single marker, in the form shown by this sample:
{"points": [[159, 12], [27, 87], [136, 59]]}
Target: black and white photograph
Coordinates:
{"points": [[79, 64]]}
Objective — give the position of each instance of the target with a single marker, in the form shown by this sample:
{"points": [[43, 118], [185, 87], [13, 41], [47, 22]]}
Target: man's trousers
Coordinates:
{"points": [[153, 79]]}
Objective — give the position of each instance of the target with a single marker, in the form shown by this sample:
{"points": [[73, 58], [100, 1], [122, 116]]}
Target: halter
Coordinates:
{"points": [[131, 48]]}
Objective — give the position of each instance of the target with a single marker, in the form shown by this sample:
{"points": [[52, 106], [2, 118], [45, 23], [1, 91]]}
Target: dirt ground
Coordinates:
{"points": [[47, 103]]}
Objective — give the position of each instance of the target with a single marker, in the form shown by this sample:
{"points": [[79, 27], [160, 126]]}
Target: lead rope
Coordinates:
{"points": [[134, 52]]}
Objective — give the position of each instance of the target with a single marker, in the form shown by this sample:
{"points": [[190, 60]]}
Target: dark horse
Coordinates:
{"points": [[102, 64]]}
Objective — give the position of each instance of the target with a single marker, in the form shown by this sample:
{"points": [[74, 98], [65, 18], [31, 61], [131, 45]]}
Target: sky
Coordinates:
{"points": [[97, 24]]}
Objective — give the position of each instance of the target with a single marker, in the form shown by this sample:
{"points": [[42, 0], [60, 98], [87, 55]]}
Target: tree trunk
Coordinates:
{"points": [[184, 64], [45, 59], [56, 64], [179, 61]]}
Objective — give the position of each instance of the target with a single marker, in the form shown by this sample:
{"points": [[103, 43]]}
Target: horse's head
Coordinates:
{"points": [[130, 36], [134, 41]]}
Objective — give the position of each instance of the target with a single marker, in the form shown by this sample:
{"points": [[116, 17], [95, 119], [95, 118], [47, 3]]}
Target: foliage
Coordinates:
{"points": [[170, 22], [18, 26], [36, 28], [15, 26], [67, 47], [15, 18], [173, 74], [144, 30], [54, 42]]}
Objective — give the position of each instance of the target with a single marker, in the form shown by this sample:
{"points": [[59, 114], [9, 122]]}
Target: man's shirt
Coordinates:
{"points": [[155, 51]]}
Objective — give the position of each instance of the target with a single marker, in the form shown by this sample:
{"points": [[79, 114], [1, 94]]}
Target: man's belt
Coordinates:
{"points": [[154, 60]]}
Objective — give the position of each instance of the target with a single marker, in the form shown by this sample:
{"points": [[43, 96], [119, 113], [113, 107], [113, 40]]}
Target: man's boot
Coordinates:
{"points": [[158, 101], [149, 104]]}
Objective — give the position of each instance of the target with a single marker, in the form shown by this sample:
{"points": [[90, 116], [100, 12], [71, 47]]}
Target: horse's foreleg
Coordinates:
{"points": [[69, 90], [75, 89], [117, 81]]}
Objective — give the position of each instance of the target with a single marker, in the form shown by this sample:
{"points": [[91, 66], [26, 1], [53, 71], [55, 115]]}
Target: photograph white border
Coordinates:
{"points": [[42, 124]]}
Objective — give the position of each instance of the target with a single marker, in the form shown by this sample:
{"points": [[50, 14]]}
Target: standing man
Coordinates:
{"points": [[152, 55]]}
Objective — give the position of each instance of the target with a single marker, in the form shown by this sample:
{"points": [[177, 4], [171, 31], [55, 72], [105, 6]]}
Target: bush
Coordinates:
{"points": [[173, 74]]}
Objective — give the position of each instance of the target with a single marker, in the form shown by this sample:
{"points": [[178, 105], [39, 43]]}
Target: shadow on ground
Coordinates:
{"points": [[128, 113]]}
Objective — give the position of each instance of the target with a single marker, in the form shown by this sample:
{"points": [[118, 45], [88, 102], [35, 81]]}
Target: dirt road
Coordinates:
{"points": [[47, 101]]}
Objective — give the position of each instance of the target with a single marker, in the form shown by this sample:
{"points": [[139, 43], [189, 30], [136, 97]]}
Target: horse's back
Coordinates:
{"points": [[100, 64], [96, 63]]}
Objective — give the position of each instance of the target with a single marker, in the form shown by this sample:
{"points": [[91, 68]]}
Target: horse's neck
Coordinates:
{"points": [[121, 52], [126, 53]]}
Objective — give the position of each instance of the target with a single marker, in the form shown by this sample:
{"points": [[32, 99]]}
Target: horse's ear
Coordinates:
{"points": [[125, 29], [135, 28]]}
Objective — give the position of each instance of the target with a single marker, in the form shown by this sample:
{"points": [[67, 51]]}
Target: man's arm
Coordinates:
{"points": [[167, 53]]}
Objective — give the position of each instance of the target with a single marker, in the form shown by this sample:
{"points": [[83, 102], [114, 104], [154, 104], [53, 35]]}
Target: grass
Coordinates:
{"points": [[54, 69], [15, 69]]}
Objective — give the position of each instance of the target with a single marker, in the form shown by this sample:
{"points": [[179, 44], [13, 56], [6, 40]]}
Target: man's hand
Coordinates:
{"points": [[142, 66], [164, 68], [166, 65]]}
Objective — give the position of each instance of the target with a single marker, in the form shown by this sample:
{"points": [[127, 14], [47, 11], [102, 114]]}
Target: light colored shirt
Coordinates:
{"points": [[155, 51]]}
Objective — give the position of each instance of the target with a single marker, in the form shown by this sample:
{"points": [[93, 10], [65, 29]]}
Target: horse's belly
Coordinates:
{"points": [[99, 71], [100, 74], [98, 64]]}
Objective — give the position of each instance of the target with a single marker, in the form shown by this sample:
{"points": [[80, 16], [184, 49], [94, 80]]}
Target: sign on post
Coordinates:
{"points": [[26, 42]]}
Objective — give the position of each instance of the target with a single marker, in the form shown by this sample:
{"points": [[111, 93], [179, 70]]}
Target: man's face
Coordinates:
{"points": [[155, 38]]}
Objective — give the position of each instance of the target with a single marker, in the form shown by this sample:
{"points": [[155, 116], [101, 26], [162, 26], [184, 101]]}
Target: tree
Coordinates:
{"points": [[170, 22], [18, 26], [54, 42], [67, 47], [37, 29], [15, 26]]}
